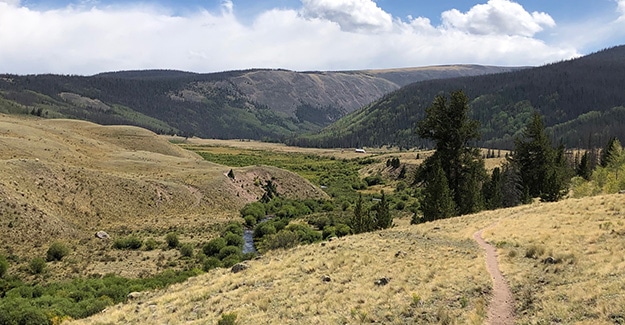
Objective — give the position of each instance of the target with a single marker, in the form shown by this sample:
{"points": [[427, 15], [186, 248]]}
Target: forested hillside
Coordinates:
{"points": [[255, 104], [581, 101]]}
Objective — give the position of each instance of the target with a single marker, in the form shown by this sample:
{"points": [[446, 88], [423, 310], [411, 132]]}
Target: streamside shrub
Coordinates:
{"points": [[213, 247], [211, 263], [56, 252], [234, 239], [235, 228]]}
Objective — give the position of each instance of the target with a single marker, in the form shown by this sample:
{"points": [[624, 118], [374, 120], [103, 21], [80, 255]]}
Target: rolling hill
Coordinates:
{"points": [[67, 179], [581, 101], [253, 104], [564, 262]]}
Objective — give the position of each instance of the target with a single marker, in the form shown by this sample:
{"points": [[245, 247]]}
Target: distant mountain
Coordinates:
{"points": [[256, 104], [581, 100]]}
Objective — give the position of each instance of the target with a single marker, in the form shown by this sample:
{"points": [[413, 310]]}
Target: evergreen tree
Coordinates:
{"points": [[583, 168], [607, 154], [437, 202], [544, 170], [383, 218], [493, 190], [533, 154], [361, 220], [512, 189], [447, 123]]}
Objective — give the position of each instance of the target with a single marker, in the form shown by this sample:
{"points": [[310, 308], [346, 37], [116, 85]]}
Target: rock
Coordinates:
{"points": [[382, 281], [102, 235], [134, 295], [400, 254], [550, 260], [326, 278], [239, 267]]}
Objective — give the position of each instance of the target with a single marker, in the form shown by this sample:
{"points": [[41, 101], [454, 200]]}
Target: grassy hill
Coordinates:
{"points": [[581, 101], [64, 180], [564, 262], [253, 104]]}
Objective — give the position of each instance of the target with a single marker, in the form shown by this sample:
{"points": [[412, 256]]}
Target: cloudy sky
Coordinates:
{"points": [[90, 36]]}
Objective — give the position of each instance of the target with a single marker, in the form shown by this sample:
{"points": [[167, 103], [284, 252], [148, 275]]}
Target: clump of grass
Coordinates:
{"points": [[227, 319], [534, 251], [56, 252]]}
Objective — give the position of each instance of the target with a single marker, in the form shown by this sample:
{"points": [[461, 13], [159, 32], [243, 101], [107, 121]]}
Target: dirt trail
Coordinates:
{"points": [[501, 307]]}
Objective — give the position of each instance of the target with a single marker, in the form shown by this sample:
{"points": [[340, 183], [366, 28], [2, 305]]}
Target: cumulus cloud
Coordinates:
{"points": [[351, 15], [321, 35], [621, 9], [498, 17]]}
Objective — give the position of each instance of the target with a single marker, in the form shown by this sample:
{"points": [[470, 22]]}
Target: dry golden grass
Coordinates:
{"points": [[437, 274], [586, 238], [66, 179]]}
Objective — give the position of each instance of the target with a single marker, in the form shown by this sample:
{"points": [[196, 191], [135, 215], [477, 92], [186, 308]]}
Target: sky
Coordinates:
{"points": [[85, 37]]}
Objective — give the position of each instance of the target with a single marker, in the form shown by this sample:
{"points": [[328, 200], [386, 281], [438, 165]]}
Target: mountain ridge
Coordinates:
{"points": [[503, 103], [269, 104]]}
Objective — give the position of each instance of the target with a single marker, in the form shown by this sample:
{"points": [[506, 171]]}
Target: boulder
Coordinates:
{"points": [[239, 267], [102, 235], [326, 278], [382, 281]]}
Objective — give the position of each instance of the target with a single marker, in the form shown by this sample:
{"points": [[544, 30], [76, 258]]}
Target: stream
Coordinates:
{"points": [[248, 237], [248, 241]]}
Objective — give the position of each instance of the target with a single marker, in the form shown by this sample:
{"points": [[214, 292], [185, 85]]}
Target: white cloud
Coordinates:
{"points": [[498, 17], [621, 9], [351, 15], [323, 35], [11, 2]]}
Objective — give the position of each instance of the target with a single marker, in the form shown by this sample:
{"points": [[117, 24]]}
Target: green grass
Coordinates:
{"points": [[339, 176]]}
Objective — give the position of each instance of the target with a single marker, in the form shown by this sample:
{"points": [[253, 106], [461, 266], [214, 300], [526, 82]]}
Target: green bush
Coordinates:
{"points": [[186, 250], [234, 240], [329, 231], [255, 209], [342, 230], [37, 265], [4, 266], [227, 319], [56, 252], [228, 251], [250, 220], [264, 229], [130, 242], [231, 260], [283, 239], [172, 240], [150, 244], [211, 263], [235, 228], [213, 247]]}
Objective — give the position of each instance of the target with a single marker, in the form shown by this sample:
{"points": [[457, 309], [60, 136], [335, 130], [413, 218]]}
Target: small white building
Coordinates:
{"points": [[361, 151]]}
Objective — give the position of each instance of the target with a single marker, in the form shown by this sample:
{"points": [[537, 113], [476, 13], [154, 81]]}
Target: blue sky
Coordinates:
{"points": [[91, 36]]}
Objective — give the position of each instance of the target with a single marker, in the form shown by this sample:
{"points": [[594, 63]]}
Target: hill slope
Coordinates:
{"points": [[66, 179], [254, 104], [564, 262], [580, 92]]}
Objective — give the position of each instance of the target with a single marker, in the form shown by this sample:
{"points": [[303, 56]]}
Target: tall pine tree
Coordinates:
{"points": [[543, 169], [447, 123]]}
